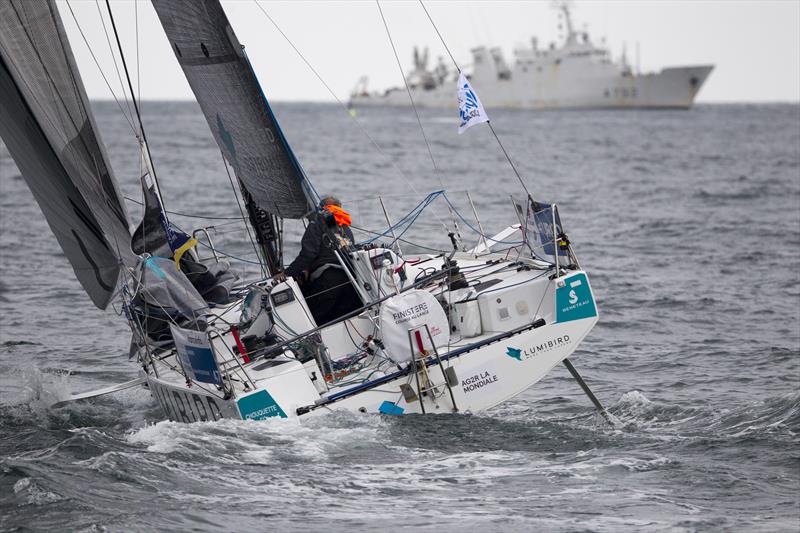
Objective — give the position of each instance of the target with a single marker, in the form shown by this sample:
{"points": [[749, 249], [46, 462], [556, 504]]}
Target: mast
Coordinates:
{"points": [[267, 228], [146, 146]]}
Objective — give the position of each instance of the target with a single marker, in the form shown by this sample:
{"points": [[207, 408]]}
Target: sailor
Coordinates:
{"points": [[322, 278]]}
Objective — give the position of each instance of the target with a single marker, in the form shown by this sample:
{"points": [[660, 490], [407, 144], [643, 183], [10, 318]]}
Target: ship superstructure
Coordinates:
{"points": [[577, 74]]}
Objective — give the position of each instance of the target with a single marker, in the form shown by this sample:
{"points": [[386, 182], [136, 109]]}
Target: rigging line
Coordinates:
{"points": [[138, 75], [96, 62], [488, 122], [113, 57], [453, 59], [185, 214], [408, 90], [244, 219], [133, 98], [411, 215], [342, 104], [364, 230], [470, 226], [361, 127], [510, 162]]}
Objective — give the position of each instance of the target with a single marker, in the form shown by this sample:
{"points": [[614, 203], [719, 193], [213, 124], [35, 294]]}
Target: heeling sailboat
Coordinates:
{"points": [[452, 332]]}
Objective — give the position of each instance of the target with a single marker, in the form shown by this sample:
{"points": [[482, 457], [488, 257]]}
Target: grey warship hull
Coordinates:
{"points": [[576, 75], [672, 88]]}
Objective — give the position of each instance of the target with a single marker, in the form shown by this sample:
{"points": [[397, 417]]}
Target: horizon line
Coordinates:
{"points": [[281, 101]]}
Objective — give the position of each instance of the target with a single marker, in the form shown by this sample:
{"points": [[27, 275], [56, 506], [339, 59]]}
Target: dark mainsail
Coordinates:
{"points": [[234, 106], [48, 127]]}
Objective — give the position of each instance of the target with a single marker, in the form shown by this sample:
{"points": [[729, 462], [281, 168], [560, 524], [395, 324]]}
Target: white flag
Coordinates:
{"points": [[469, 105]]}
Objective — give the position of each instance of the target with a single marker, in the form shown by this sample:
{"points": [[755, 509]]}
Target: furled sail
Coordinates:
{"points": [[48, 127], [234, 106]]}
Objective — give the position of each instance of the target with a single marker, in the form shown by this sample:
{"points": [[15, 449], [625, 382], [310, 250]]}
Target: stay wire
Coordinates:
{"points": [[185, 214], [436, 170], [332, 93], [488, 122], [453, 59], [113, 57], [100, 69], [241, 210], [408, 90], [133, 98], [344, 106], [138, 73]]}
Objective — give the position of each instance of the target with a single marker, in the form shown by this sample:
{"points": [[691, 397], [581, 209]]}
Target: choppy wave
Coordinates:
{"points": [[688, 228]]}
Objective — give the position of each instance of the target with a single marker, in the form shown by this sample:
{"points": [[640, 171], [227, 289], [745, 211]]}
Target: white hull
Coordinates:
{"points": [[558, 88], [484, 372]]}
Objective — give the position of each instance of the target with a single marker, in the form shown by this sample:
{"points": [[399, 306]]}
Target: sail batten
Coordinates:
{"points": [[48, 127], [235, 108]]}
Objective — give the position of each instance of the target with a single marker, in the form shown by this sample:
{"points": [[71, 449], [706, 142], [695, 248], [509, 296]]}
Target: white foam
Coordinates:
{"points": [[34, 494]]}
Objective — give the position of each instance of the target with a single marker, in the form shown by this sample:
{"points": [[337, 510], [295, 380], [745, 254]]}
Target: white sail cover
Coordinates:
{"points": [[48, 127], [234, 106], [409, 311]]}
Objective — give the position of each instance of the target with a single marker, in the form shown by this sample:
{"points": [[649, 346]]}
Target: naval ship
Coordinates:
{"points": [[576, 75]]}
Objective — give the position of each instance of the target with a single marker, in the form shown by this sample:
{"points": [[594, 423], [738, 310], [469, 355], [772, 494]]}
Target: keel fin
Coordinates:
{"points": [[588, 391]]}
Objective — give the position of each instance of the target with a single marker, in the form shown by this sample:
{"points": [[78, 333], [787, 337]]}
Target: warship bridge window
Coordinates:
{"points": [[693, 81]]}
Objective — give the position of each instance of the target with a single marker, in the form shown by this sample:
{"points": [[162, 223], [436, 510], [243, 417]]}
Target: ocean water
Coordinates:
{"points": [[687, 222]]}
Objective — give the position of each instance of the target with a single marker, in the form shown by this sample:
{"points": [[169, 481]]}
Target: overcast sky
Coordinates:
{"points": [[754, 45]]}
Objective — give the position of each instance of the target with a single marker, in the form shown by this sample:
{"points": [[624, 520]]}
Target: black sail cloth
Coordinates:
{"points": [[48, 127], [234, 106]]}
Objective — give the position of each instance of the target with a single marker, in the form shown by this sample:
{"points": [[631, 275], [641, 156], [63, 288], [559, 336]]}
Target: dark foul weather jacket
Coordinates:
{"points": [[317, 247], [324, 283]]}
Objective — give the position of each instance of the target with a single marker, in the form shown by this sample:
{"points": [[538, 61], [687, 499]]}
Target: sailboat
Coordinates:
{"points": [[457, 331]]}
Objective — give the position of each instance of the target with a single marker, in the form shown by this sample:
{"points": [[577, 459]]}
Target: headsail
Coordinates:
{"points": [[48, 127], [234, 106]]}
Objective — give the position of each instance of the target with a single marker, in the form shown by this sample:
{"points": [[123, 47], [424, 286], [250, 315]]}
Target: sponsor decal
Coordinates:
{"points": [[258, 406], [196, 356], [514, 352], [478, 381], [410, 313], [521, 354], [574, 300], [180, 406]]}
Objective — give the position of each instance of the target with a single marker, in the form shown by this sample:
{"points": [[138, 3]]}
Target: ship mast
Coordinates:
{"points": [[564, 6]]}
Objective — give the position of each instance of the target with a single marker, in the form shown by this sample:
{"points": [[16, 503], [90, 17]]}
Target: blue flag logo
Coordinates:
{"points": [[470, 108]]}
